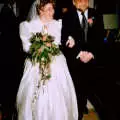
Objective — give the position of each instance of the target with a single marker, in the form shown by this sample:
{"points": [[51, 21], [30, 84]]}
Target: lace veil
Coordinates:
{"points": [[32, 14]]}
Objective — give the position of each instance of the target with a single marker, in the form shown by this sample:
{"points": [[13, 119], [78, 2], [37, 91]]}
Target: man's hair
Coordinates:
{"points": [[11, 2], [75, 3]]}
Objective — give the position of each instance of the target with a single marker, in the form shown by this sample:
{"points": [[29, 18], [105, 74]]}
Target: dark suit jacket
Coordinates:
{"points": [[9, 52], [9, 34], [95, 36]]}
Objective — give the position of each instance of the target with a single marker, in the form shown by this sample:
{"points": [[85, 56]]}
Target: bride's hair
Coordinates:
{"points": [[42, 3], [36, 6]]}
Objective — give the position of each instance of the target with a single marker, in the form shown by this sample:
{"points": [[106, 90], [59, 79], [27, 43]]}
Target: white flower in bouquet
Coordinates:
{"points": [[44, 30]]}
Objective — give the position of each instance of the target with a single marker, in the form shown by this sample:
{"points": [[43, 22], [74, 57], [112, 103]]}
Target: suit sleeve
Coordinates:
{"points": [[98, 36], [65, 30]]}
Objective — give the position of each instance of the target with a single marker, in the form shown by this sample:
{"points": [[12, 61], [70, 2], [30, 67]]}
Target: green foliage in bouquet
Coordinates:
{"points": [[42, 50]]}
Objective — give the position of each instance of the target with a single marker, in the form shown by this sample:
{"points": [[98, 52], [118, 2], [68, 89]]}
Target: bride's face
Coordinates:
{"points": [[47, 11]]}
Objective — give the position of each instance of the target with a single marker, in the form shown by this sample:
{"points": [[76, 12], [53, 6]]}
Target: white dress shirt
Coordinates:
{"points": [[80, 15]]}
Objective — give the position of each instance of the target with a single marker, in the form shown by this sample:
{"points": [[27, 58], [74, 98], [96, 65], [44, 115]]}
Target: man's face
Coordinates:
{"points": [[81, 4]]}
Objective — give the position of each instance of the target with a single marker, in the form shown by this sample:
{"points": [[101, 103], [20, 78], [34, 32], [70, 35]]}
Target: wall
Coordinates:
{"points": [[91, 3]]}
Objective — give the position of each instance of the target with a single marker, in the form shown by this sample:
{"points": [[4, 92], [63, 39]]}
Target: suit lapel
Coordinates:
{"points": [[90, 12], [77, 21], [91, 15]]}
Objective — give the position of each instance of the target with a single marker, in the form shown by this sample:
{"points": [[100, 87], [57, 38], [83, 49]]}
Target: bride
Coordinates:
{"points": [[56, 100]]}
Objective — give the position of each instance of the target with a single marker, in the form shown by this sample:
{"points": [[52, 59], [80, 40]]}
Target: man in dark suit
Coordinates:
{"points": [[9, 61], [83, 40]]}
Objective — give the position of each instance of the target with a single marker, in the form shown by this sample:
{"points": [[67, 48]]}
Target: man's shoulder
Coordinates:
{"points": [[93, 11], [69, 14]]}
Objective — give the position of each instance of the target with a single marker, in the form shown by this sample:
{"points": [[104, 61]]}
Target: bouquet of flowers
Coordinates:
{"points": [[41, 51]]}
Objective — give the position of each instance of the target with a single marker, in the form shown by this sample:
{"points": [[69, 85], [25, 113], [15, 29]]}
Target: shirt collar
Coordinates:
{"points": [[85, 13]]}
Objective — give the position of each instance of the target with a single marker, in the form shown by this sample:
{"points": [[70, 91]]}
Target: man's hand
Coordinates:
{"points": [[70, 42], [86, 56]]}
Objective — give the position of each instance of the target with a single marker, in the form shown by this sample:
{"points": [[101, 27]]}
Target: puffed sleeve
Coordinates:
{"points": [[25, 35]]}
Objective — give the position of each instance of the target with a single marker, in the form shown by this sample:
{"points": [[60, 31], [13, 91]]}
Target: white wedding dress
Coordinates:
{"points": [[56, 99]]}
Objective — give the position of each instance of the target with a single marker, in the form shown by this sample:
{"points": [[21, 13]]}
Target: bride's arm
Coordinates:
{"points": [[57, 34], [25, 35]]}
